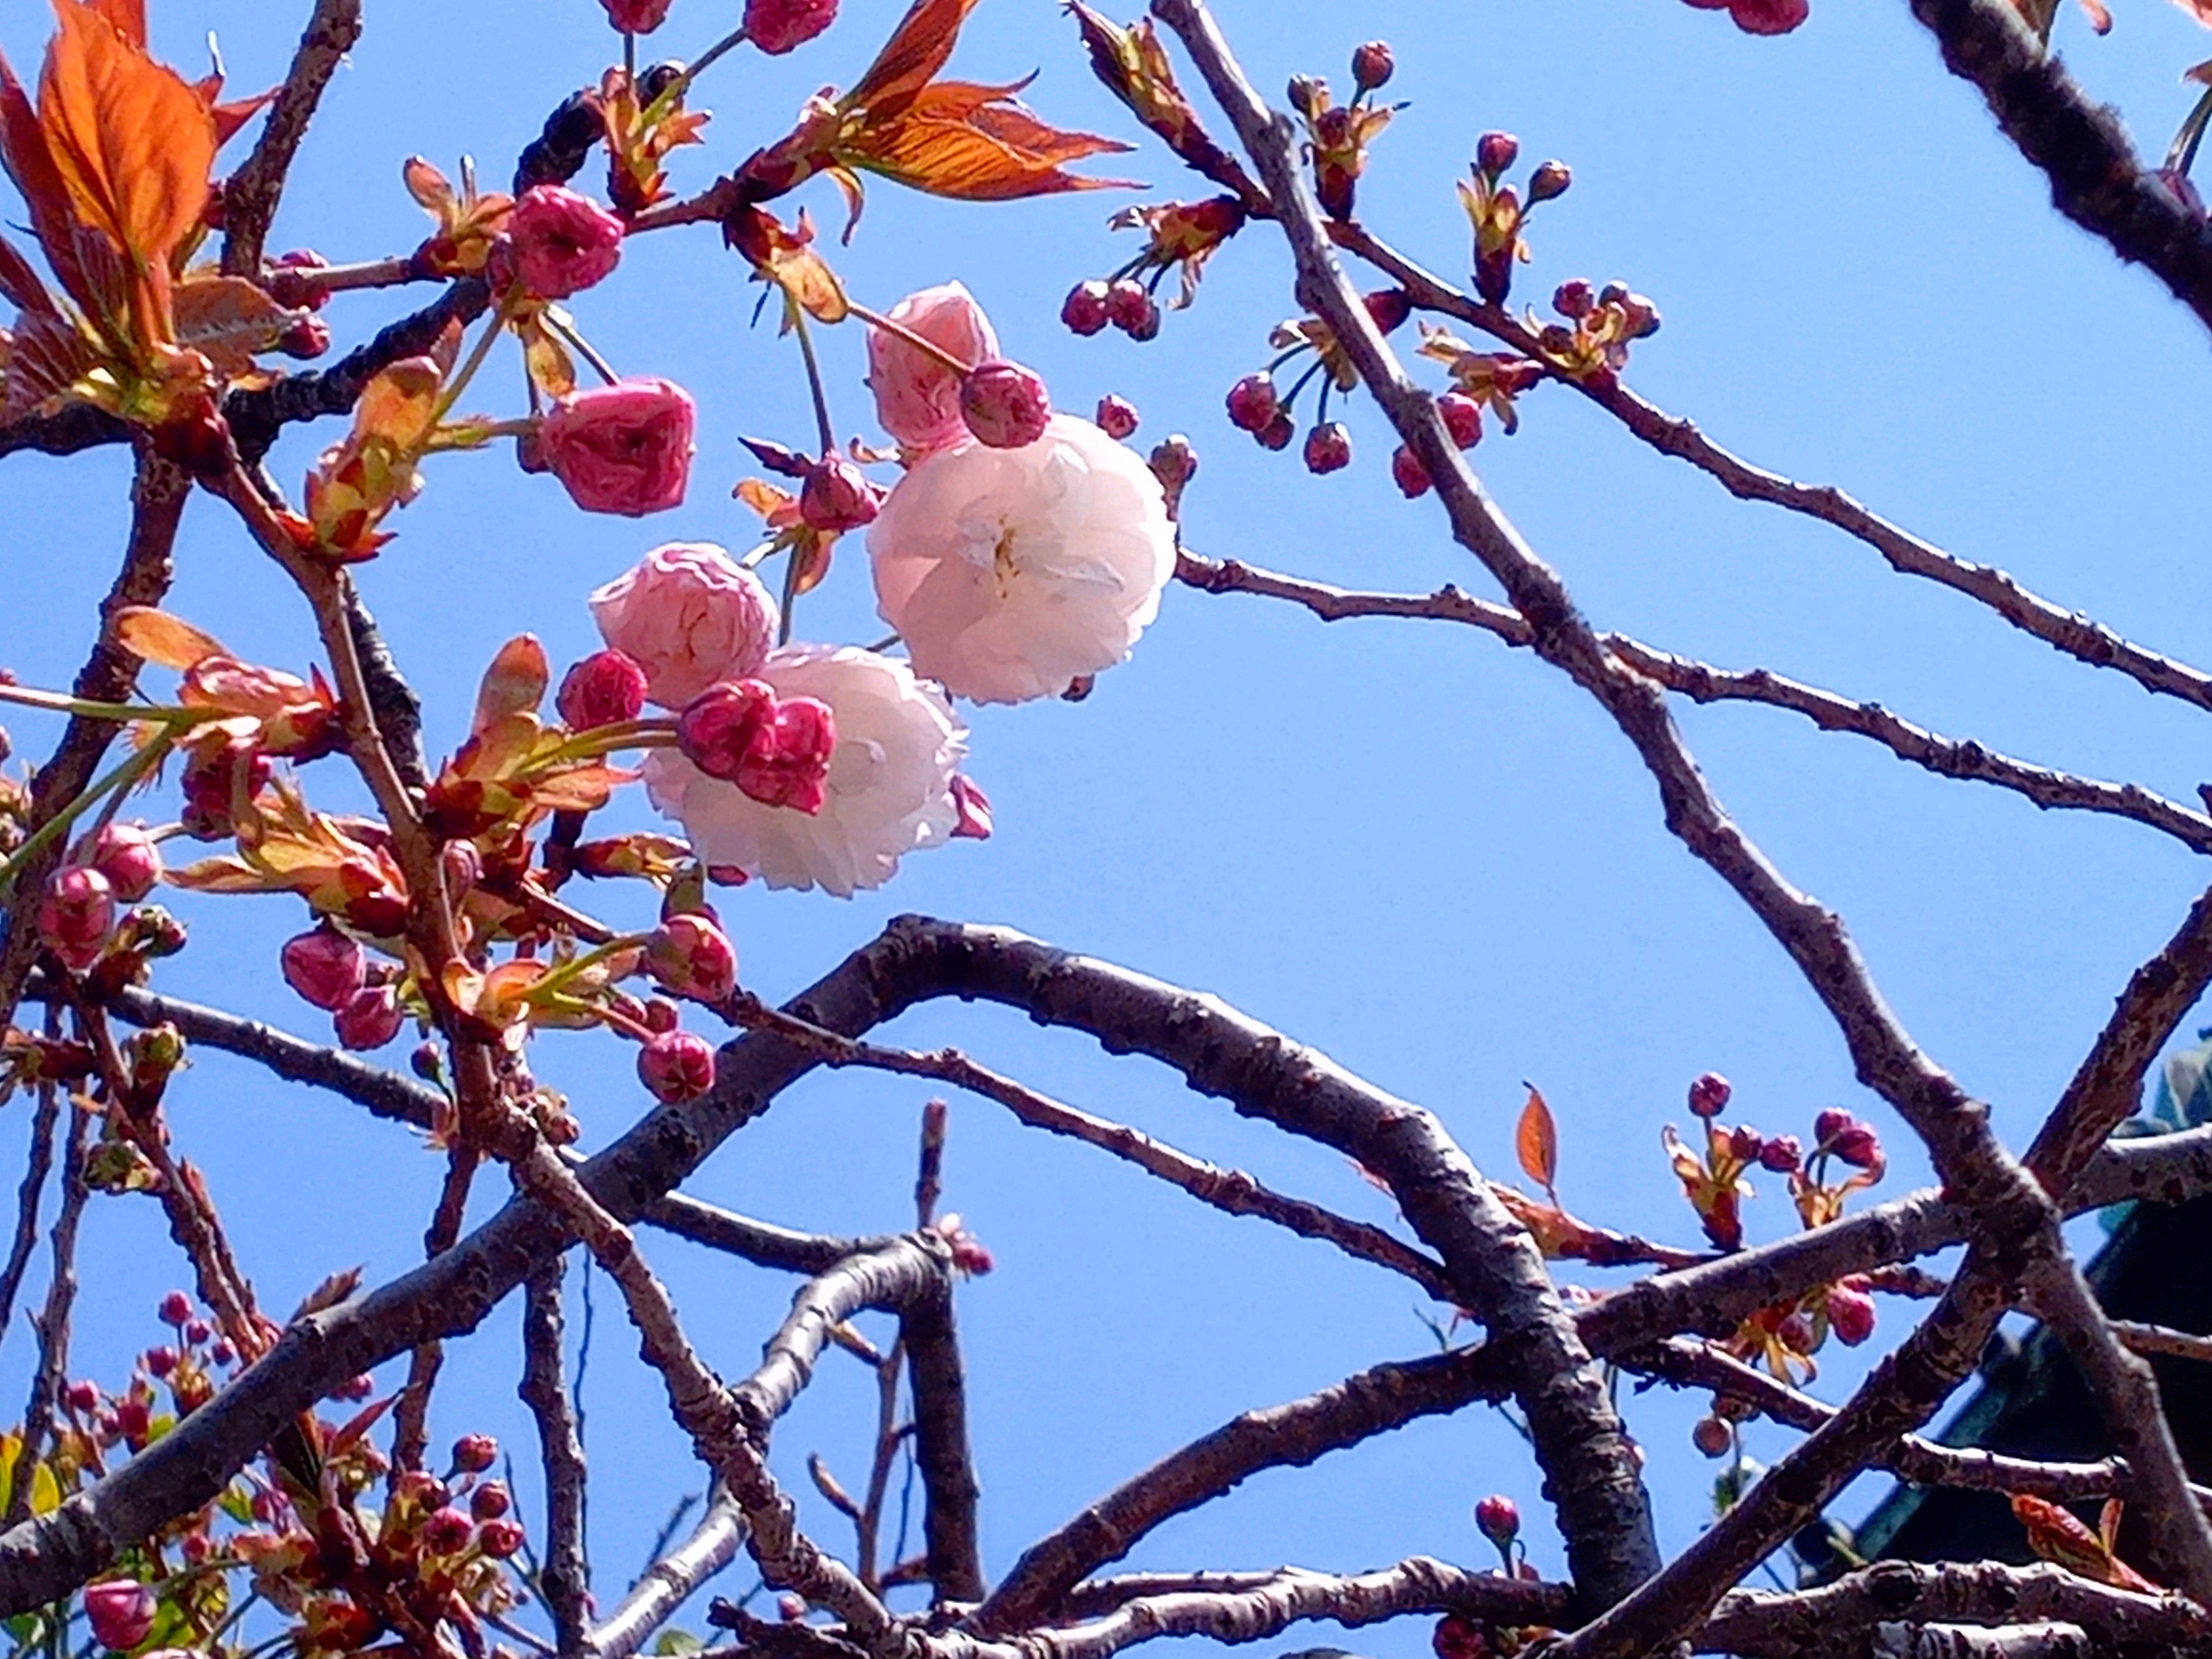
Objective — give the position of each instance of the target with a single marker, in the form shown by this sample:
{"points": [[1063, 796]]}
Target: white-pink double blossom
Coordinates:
{"points": [[689, 615], [888, 791], [1012, 573], [917, 394]]}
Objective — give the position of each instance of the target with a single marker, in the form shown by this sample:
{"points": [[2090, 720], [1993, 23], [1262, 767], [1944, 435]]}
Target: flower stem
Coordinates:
{"points": [[482, 350], [120, 779], [682, 84], [565, 327], [814, 383], [876, 319]]}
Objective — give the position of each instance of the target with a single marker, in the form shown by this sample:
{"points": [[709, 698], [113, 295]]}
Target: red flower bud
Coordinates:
{"points": [[120, 1612], [787, 762], [1005, 404], [475, 1453], [210, 778], [1277, 432], [161, 1360], [1851, 1314], [1782, 1154], [128, 857], [790, 1609], [837, 496], [1712, 1437], [1494, 152], [1085, 310], [370, 1017], [1746, 1143], [75, 914], [692, 958], [718, 725], [605, 689], [1252, 401], [82, 1397], [325, 966], [1709, 1094], [562, 241], [1371, 65], [777, 25], [1574, 299], [676, 1065], [1497, 1518], [1117, 416], [197, 1331], [1389, 307], [1858, 1146], [1455, 1638], [1329, 448], [1462, 418], [1550, 178], [490, 1501], [1411, 476], [305, 337], [447, 1532], [637, 16]]}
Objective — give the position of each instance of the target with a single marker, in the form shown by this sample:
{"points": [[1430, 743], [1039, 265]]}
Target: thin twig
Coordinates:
{"points": [[39, 1164], [567, 1575], [249, 195], [53, 1323]]}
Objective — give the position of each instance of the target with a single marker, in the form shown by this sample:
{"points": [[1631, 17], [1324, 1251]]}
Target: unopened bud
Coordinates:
{"points": [[128, 857], [120, 1612], [1851, 1314], [1252, 401], [1712, 1437], [1497, 1518], [1407, 472], [1085, 309], [1329, 448], [325, 966], [691, 956], [75, 914], [499, 1538], [1782, 1154], [1371, 65], [1549, 180], [370, 1017], [447, 1532], [1709, 1094], [676, 1065], [1494, 152], [1116, 415], [1307, 94], [605, 689], [1462, 418], [1389, 307], [1132, 310], [837, 496], [1005, 404], [475, 1453]]}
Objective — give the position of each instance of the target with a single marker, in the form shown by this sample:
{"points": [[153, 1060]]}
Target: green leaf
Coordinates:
{"points": [[678, 1642]]}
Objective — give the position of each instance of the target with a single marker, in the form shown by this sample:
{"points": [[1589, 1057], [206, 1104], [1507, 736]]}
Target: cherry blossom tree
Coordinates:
{"points": [[250, 1484]]}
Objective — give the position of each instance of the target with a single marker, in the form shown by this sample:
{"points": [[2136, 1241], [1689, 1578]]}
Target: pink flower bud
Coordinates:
{"points": [[837, 496], [605, 689], [1084, 309], [499, 1538], [689, 616], [1494, 152], [1830, 1123], [1712, 1437], [447, 1532], [676, 1065], [1277, 432], [1455, 1638], [1498, 1519], [82, 1397], [1782, 1154], [1549, 180], [1005, 404], [475, 1453], [129, 857], [1372, 65], [1858, 1146], [176, 1308], [75, 914], [1574, 299], [637, 16], [421, 1490], [1746, 1143], [1709, 1094], [370, 1017], [1252, 401], [1132, 310], [691, 957], [120, 1612], [787, 762], [621, 449], [197, 1331], [790, 1609], [1407, 472], [211, 778], [717, 726], [490, 1501], [325, 966], [1851, 1313], [161, 1360], [776, 26], [305, 337], [562, 241], [973, 806], [1116, 415], [1329, 448]]}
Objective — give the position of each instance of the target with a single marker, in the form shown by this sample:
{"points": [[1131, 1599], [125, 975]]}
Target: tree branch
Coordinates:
{"points": [[249, 195], [567, 1577]]}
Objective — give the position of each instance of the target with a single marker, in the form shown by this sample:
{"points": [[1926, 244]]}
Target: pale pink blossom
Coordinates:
{"points": [[689, 616], [888, 792], [918, 395], [1012, 573]]}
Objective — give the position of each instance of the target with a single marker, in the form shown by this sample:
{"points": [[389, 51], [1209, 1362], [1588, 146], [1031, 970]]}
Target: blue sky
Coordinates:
{"points": [[1429, 856]]}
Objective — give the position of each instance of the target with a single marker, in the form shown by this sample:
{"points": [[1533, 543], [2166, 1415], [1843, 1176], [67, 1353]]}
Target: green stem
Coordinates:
{"points": [[674, 91], [814, 383], [2182, 155], [543, 990], [481, 350], [568, 330], [120, 779]]}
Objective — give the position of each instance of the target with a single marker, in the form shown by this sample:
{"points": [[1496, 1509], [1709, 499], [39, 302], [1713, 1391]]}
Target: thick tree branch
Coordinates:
{"points": [[249, 195], [2097, 179], [567, 1575], [672, 1581]]}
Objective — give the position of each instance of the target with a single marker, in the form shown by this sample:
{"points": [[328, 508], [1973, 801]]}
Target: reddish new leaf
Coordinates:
{"points": [[1536, 1142]]}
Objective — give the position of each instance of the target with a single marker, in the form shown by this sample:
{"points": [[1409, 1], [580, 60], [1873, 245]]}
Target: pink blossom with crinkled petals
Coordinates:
{"points": [[621, 449], [917, 395], [888, 791], [1012, 573], [689, 616], [563, 242], [777, 25]]}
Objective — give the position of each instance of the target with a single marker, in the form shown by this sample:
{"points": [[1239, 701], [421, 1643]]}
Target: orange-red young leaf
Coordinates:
{"points": [[129, 17], [1536, 1142], [159, 637], [133, 142], [514, 683], [918, 48]]}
